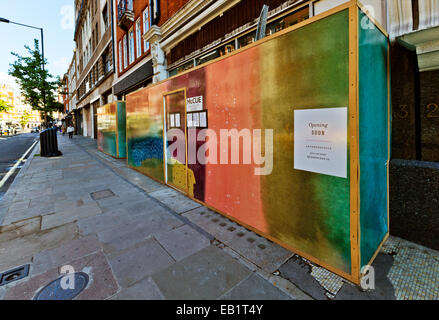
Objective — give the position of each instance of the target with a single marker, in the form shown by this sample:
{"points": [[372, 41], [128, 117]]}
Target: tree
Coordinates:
{"points": [[24, 119], [35, 82], [4, 107]]}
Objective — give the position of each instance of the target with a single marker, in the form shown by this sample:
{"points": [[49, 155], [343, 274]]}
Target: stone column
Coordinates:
{"points": [[153, 36]]}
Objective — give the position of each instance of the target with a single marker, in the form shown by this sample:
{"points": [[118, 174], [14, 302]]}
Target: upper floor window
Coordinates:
{"points": [[146, 27], [120, 56], [131, 45], [138, 39], [105, 19], [130, 5], [125, 51]]}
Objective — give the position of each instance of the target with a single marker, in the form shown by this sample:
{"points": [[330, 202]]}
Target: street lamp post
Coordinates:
{"points": [[42, 48]]}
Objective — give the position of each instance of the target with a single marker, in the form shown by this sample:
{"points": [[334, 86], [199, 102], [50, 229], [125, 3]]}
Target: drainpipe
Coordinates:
{"points": [[112, 35]]}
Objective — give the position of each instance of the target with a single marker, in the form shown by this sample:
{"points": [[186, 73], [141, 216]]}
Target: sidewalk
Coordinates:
{"points": [[138, 239]]}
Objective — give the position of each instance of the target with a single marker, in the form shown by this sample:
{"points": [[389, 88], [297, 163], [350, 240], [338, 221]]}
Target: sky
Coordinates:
{"points": [[56, 17]]}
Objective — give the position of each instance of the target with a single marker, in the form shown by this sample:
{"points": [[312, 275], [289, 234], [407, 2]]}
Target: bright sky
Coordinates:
{"points": [[56, 17]]}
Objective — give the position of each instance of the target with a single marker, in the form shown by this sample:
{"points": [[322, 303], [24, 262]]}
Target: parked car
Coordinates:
{"points": [[35, 130]]}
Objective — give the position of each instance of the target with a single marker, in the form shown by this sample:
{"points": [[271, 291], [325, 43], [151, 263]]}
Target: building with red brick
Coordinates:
{"points": [[94, 61], [134, 59]]}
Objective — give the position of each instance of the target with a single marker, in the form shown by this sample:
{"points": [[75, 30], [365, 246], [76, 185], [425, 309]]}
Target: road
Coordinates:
{"points": [[11, 150]]}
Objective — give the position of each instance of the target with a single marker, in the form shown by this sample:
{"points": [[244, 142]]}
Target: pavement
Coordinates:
{"points": [[138, 239]]}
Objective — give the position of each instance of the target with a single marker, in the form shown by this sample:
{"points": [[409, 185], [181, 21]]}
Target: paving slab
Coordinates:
{"points": [[69, 215], [110, 204], [299, 272], [102, 284], [145, 205], [141, 261], [61, 255], [205, 275], [20, 229], [145, 289], [78, 204], [148, 185], [106, 221], [266, 254], [29, 245], [175, 200], [255, 288], [24, 214], [137, 231], [19, 205], [182, 242]]}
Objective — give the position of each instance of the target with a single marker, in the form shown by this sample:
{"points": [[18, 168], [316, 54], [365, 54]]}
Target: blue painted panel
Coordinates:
{"points": [[374, 133]]}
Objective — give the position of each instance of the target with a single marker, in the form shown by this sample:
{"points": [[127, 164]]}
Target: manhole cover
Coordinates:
{"points": [[54, 290], [102, 194]]}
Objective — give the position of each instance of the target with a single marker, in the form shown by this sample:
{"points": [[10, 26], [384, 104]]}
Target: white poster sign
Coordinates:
{"points": [[320, 141], [177, 120], [194, 104], [189, 120], [196, 119]]}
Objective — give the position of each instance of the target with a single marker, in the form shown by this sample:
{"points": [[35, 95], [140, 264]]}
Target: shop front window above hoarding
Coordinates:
{"points": [[219, 52], [184, 67], [248, 38]]}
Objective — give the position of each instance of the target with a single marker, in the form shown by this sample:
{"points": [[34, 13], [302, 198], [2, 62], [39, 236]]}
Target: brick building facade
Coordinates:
{"points": [[134, 58], [94, 61]]}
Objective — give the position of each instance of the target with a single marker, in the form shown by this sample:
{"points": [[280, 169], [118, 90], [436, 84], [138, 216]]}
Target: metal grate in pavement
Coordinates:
{"points": [[98, 195]]}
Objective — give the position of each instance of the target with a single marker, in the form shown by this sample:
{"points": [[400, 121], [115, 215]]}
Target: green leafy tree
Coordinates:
{"points": [[4, 107], [24, 120], [37, 85]]}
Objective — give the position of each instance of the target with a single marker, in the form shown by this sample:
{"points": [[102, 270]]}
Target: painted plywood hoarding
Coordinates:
{"points": [[111, 139], [255, 95]]}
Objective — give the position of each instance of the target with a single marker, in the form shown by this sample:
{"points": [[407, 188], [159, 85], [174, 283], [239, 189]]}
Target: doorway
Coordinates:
{"points": [[176, 137]]}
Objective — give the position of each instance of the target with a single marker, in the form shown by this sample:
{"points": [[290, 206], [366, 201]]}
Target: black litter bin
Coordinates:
{"points": [[49, 143]]}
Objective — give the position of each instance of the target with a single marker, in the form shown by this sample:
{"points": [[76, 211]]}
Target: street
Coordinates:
{"points": [[11, 149]]}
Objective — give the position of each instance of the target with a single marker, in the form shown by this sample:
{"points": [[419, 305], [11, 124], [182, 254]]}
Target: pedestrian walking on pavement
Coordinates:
{"points": [[70, 131]]}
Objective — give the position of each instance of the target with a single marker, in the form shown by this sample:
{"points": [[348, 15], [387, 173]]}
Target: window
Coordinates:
{"points": [[120, 56], [97, 35], [105, 19], [89, 49], [146, 27], [125, 55], [138, 39], [131, 45], [130, 5]]}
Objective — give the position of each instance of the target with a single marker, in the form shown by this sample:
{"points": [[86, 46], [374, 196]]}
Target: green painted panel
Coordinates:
{"points": [[374, 131], [306, 69], [121, 129]]}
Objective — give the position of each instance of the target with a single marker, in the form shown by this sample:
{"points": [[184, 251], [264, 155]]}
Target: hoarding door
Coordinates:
{"points": [[176, 149]]}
